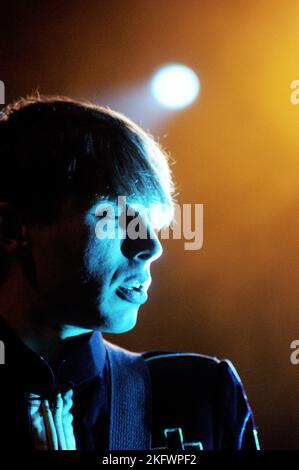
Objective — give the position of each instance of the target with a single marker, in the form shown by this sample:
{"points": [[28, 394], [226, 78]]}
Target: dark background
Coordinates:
{"points": [[236, 150]]}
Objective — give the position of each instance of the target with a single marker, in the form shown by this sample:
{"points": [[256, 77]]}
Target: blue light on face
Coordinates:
{"points": [[175, 86]]}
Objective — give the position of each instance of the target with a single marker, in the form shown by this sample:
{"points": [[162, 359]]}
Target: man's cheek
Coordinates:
{"points": [[100, 258]]}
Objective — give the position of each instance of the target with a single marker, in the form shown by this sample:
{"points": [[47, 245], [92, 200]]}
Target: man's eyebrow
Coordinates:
{"points": [[105, 201]]}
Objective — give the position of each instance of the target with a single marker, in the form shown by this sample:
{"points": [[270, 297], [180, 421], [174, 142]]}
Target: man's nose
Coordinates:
{"points": [[143, 249]]}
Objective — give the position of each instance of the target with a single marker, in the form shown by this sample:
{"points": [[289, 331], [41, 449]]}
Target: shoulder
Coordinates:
{"points": [[180, 367], [204, 396], [188, 365]]}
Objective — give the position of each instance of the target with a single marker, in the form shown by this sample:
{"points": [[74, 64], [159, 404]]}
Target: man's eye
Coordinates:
{"points": [[99, 215], [106, 214]]}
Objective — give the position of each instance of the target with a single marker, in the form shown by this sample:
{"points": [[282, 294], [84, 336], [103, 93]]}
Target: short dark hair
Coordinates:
{"points": [[54, 147]]}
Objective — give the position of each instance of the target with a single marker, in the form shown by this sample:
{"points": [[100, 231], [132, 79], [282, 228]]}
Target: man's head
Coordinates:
{"points": [[60, 160]]}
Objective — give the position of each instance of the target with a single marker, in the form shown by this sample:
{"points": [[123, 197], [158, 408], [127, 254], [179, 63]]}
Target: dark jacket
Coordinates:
{"points": [[127, 401], [188, 400], [202, 396]]}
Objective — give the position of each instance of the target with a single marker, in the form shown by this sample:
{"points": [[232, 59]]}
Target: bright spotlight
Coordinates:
{"points": [[175, 86]]}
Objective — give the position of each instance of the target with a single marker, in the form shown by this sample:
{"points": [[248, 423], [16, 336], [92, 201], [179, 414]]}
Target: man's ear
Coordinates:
{"points": [[12, 231], [14, 242]]}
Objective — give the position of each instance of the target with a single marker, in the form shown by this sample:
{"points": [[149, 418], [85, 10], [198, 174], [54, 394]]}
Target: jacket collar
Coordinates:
{"points": [[82, 359]]}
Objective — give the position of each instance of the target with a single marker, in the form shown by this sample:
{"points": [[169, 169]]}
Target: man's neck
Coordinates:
{"points": [[45, 339], [26, 317]]}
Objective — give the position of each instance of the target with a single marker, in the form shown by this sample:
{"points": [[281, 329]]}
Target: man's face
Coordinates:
{"points": [[88, 280]]}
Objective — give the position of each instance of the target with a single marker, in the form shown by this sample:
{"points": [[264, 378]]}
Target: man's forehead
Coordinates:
{"points": [[125, 201], [157, 212]]}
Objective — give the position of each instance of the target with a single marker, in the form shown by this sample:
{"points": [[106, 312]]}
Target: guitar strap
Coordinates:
{"points": [[130, 412]]}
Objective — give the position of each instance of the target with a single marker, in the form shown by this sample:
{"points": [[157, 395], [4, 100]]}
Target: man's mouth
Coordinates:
{"points": [[134, 291], [131, 294]]}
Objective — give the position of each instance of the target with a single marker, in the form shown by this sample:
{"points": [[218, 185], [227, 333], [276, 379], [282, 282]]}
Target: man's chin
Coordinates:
{"points": [[105, 320], [121, 322]]}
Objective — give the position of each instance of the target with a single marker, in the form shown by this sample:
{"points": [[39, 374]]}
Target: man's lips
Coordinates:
{"points": [[134, 288], [135, 296]]}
